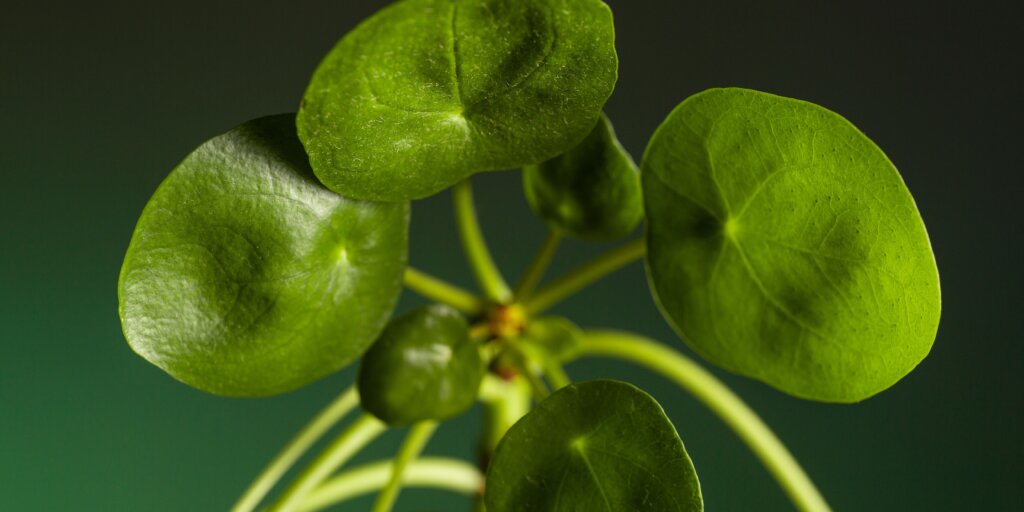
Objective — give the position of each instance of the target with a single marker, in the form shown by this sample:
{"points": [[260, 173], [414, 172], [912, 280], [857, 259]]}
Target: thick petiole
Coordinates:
{"points": [[434, 472], [575, 280], [358, 435], [443, 292], [486, 272], [327, 418], [537, 267], [418, 436]]}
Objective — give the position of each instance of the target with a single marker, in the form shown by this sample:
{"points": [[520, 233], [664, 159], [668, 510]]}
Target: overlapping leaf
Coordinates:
{"points": [[591, 191], [245, 276], [428, 92]]}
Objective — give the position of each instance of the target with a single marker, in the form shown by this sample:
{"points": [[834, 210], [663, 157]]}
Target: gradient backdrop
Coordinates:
{"points": [[99, 100]]}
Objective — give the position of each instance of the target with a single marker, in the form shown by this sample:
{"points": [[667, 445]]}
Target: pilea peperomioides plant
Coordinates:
{"points": [[779, 242]]}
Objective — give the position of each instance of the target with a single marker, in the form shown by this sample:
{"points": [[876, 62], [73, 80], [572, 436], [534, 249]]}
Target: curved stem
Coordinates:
{"points": [[588, 273], [358, 435], [525, 367], [411, 448], [537, 267], [556, 375], [480, 260], [442, 473], [436, 289], [316, 428], [721, 400], [504, 404]]}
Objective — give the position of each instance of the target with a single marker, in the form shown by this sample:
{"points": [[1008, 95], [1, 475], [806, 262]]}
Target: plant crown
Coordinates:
{"points": [[779, 241]]}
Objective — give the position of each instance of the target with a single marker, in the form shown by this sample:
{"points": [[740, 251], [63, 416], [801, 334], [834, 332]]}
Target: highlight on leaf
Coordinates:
{"points": [[246, 277], [423, 367]]}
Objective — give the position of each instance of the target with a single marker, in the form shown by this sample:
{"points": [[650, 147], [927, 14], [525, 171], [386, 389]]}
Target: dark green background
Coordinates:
{"points": [[99, 100]]}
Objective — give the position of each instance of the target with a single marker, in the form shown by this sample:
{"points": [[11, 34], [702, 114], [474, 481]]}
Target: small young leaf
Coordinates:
{"points": [[428, 92], [783, 245], [423, 367], [599, 445], [590, 192], [247, 277], [553, 336]]}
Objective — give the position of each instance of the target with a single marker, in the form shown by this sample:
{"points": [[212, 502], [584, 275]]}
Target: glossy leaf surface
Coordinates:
{"points": [[593, 446], [592, 191], [427, 92], [245, 276], [784, 245], [423, 367]]}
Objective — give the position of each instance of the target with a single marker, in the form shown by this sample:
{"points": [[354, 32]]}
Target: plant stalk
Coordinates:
{"points": [[573, 281], [505, 402], [313, 431], [486, 272], [443, 292], [556, 375], [537, 267], [359, 434], [436, 472], [417, 438]]}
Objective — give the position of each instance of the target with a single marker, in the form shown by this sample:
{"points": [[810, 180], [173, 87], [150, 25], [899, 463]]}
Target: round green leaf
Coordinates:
{"points": [[783, 245], [599, 445], [247, 277], [427, 92], [592, 191], [423, 367]]}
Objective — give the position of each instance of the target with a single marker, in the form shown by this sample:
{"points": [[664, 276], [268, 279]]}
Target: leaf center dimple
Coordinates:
{"points": [[732, 228], [579, 444], [341, 255]]}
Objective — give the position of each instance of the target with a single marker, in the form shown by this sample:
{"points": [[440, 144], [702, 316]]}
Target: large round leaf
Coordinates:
{"points": [[428, 92], [595, 446], [423, 367], [783, 245], [245, 276], [591, 191]]}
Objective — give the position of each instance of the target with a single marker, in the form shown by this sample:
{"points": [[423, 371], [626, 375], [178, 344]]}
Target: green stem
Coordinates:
{"points": [[480, 260], [504, 403], [524, 366], [436, 289], [537, 386], [316, 428], [411, 448], [588, 273], [721, 400], [358, 435], [556, 375], [437, 472], [537, 267]]}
